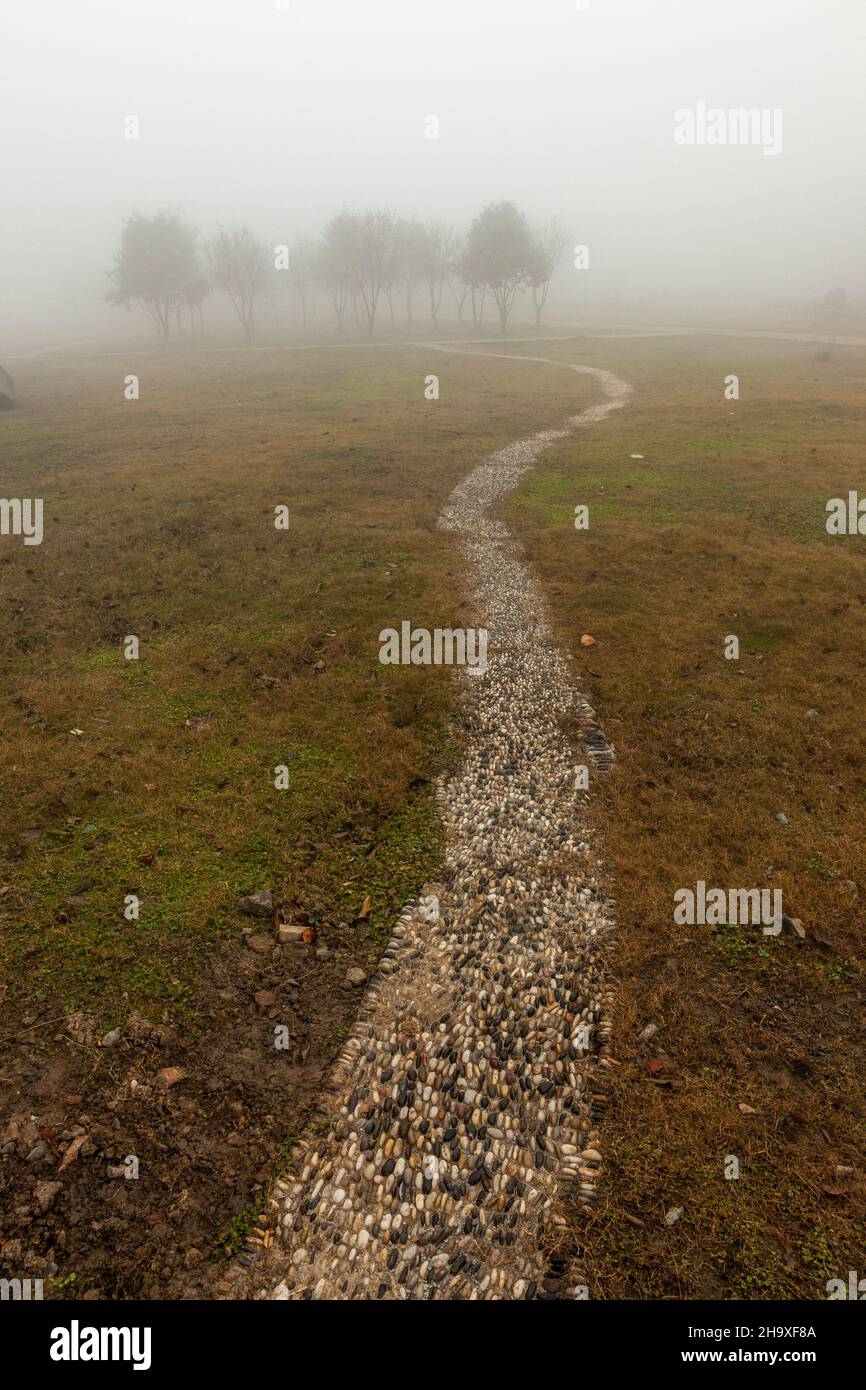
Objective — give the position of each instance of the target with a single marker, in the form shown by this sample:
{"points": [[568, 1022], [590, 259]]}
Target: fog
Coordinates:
{"points": [[278, 116]]}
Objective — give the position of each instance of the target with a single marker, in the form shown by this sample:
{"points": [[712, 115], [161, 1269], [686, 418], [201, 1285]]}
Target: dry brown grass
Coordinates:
{"points": [[721, 530], [258, 647]]}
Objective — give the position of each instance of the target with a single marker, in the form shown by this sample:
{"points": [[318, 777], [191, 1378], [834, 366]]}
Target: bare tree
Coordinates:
{"points": [[302, 261], [468, 270], [194, 296], [436, 262], [239, 265], [457, 284], [335, 263], [372, 250], [551, 243], [406, 268]]}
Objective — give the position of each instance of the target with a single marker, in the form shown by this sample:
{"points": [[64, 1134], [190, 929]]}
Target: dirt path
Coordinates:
{"points": [[467, 1099]]}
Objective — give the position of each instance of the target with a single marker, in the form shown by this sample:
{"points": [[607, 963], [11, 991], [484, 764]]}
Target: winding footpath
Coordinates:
{"points": [[467, 1099]]}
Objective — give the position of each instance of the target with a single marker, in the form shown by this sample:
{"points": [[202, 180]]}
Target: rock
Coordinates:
{"points": [[265, 998], [260, 944], [322, 953], [782, 818], [429, 907], [355, 976], [849, 884], [169, 1076], [290, 932], [44, 1194], [811, 714], [111, 1038], [673, 1216], [7, 391], [72, 1152], [646, 1033], [80, 1028], [259, 904], [796, 926], [38, 1152]]}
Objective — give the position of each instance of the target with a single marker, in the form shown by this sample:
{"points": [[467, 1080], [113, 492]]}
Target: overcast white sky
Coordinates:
{"points": [[278, 117]]}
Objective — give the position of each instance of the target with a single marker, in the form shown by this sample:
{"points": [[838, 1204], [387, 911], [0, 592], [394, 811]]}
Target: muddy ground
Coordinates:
{"points": [[210, 1117]]}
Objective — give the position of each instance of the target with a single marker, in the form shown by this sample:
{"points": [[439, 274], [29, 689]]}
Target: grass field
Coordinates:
{"points": [[258, 648], [155, 777], [720, 530]]}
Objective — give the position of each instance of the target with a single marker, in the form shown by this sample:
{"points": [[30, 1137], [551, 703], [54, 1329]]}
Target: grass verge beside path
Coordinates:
{"points": [[758, 1052]]}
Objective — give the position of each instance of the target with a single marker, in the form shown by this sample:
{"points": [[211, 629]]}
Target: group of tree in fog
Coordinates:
{"points": [[361, 263]]}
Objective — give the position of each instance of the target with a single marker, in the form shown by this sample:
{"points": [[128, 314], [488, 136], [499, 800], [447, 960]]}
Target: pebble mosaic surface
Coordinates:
{"points": [[466, 1103]]}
